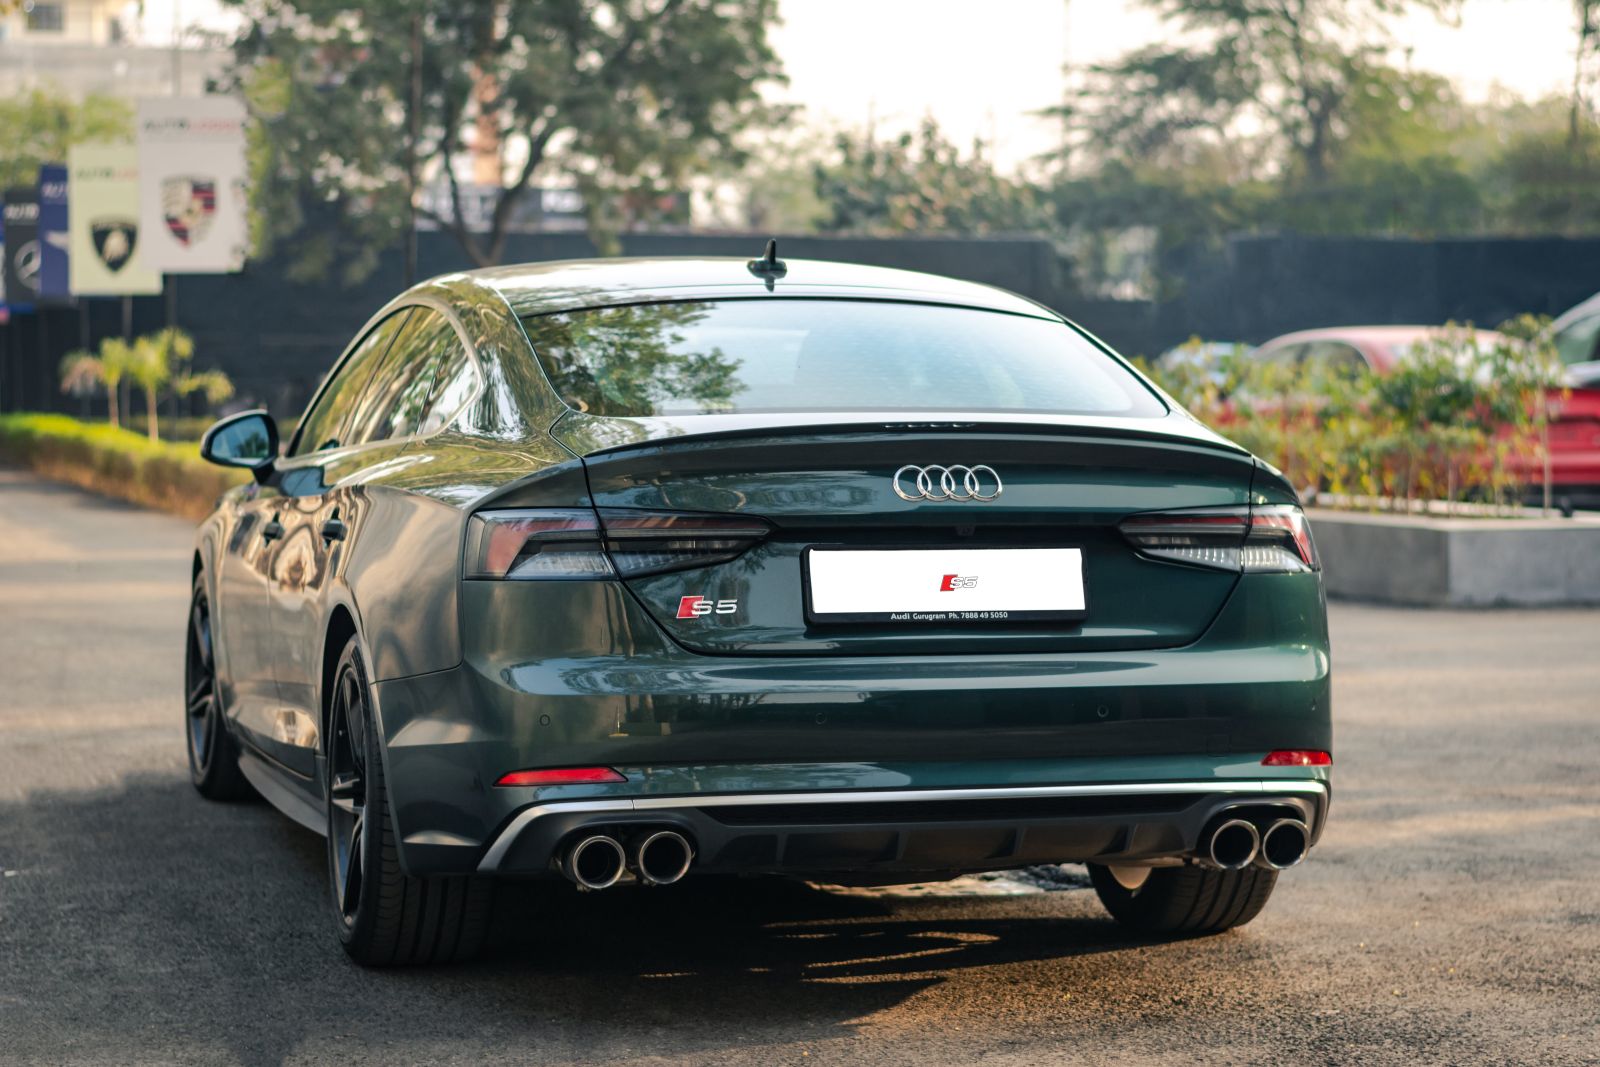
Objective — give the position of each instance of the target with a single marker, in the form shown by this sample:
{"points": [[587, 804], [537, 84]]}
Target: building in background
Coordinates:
{"points": [[87, 46]]}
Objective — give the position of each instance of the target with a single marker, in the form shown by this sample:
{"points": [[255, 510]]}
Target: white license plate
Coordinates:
{"points": [[944, 585]]}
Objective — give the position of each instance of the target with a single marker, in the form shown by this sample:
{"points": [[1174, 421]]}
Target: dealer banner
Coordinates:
{"points": [[192, 207], [54, 285], [103, 228], [21, 213]]}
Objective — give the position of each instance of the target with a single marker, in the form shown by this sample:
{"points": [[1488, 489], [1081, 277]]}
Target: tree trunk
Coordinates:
{"points": [[150, 414], [111, 403]]}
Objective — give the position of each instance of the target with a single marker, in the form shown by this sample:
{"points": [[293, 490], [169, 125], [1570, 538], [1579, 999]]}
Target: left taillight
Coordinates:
{"points": [[545, 543], [578, 543], [1265, 539]]}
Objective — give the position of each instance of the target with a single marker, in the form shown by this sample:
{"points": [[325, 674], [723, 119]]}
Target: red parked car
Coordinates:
{"points": [[1574, 427]]}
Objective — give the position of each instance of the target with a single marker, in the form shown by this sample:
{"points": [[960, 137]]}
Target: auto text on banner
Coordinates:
{"points": [[54, 285], [192, 206], [21, 214], [103, 222]]}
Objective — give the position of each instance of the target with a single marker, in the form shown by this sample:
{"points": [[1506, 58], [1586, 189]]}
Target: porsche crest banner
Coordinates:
{"points": [[192, 208], [103, 231]]}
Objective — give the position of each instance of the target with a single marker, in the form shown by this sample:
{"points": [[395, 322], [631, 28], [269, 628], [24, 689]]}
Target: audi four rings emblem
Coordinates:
{"points": [[947, 483]]}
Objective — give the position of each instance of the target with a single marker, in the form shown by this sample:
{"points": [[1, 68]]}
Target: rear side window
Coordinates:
{"points": [[827, 355], [453, 386], [1335, 356], [325, 424], [396, 402], [1580, 342]]}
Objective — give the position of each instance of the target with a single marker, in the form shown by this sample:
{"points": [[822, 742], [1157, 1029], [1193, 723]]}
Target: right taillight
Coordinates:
{"points": [[578, 543], [1270, 538], [1280, 540]]}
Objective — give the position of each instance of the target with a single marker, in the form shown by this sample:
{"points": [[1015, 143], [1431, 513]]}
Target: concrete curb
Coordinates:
{"points": [[1450, 562]]}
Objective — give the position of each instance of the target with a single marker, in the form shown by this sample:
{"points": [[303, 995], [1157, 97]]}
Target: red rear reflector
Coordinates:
{"points": [[562, 776], [1297, 757]]}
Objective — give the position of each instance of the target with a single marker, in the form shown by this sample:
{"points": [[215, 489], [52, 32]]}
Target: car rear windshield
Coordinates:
{"points": [[798, 355]]}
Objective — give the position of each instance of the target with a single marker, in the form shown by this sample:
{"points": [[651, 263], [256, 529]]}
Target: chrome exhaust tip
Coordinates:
{"points": [[594, 862], [1284, 844], [1233, 844], [661, 857]]}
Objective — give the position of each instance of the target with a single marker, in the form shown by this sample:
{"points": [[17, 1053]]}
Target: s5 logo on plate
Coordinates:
{"points": [[952, 582], [695, 607]]}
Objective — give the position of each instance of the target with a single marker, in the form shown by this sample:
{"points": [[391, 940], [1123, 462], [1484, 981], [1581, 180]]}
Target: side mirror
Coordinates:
{"points": [[248, 439]]}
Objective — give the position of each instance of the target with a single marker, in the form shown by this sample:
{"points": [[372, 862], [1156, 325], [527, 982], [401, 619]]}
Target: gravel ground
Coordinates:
{"points": [[1451, 914]]}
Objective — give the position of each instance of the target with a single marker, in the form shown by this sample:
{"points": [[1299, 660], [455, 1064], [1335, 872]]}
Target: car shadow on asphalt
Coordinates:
{"points": [[147, 910]]}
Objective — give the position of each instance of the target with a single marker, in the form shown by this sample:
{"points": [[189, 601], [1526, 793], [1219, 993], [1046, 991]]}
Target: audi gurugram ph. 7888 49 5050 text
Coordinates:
{"points": [[625, 571]]}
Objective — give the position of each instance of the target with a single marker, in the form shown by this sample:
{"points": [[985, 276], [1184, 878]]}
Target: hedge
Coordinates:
{"points": [[167, 475]]}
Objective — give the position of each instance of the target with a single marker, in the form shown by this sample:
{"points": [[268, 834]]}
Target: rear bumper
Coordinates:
{"points": [[873, 832], [606, 687]]}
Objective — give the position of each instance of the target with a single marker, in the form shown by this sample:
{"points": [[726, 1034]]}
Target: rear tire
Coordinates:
{"points": [[385, 917], [213, 754], [1185, 900]]}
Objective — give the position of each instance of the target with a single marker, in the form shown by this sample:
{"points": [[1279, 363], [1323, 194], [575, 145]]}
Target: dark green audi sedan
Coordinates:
{"points": [[627, 571]]}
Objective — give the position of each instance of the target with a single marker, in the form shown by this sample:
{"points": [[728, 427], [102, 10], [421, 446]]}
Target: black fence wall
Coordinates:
{"points": [[276, 338], [1258, 287]]}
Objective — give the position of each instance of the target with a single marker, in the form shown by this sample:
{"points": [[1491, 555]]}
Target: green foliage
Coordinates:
{"points": [[1546, 176], [921, 183], [116, 462], [38, 127], [1270, 81], [1294, 115], [1464, 414], [82, 371], [624, 100], [157, 362]]}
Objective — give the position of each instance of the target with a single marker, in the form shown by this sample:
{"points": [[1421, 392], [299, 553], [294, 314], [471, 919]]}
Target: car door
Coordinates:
{"points": [[329, 496], [241, 617], [264, 555]]}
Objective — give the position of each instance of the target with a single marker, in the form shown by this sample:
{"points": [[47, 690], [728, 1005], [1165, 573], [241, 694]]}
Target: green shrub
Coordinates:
{"points": [[165, 475], [1461, 416]]}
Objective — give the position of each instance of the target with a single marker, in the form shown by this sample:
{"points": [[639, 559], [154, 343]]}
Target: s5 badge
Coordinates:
{"points": [[694, 607]]}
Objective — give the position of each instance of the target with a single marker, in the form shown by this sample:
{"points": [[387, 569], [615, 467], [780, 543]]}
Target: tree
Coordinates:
{"points": [[39, 126], [617, 98], [1270, 81], [921, 183], [82, 371], [1263, 115], [1542, 181], [155, 362], [1586, 53]]}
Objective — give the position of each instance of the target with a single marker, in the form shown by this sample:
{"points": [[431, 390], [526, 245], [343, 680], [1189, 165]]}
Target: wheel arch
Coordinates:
{"points": [[341, 628]]}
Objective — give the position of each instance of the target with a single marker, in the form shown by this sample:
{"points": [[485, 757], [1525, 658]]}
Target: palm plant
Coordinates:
{"points": [[82, 371], [157, 362]]}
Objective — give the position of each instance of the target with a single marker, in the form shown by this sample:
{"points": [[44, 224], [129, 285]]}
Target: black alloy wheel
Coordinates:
{"points": [[213, 757], [1184, 901], [347, 791], [385, 917]]}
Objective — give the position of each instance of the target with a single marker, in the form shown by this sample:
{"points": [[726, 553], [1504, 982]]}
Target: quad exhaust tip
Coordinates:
{"points": [[1283, 844], [594, 862], [660, 857], [1232, 846]]}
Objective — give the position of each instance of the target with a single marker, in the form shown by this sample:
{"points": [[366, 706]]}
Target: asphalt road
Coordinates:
{"points": [[1451, 915]]}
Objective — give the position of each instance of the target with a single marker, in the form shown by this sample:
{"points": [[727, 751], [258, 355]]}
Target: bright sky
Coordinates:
{"points": [[980, 66]]}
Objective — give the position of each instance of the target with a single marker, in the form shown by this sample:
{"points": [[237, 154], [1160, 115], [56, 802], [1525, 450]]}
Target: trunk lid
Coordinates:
{"points": [[824, 481]]}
